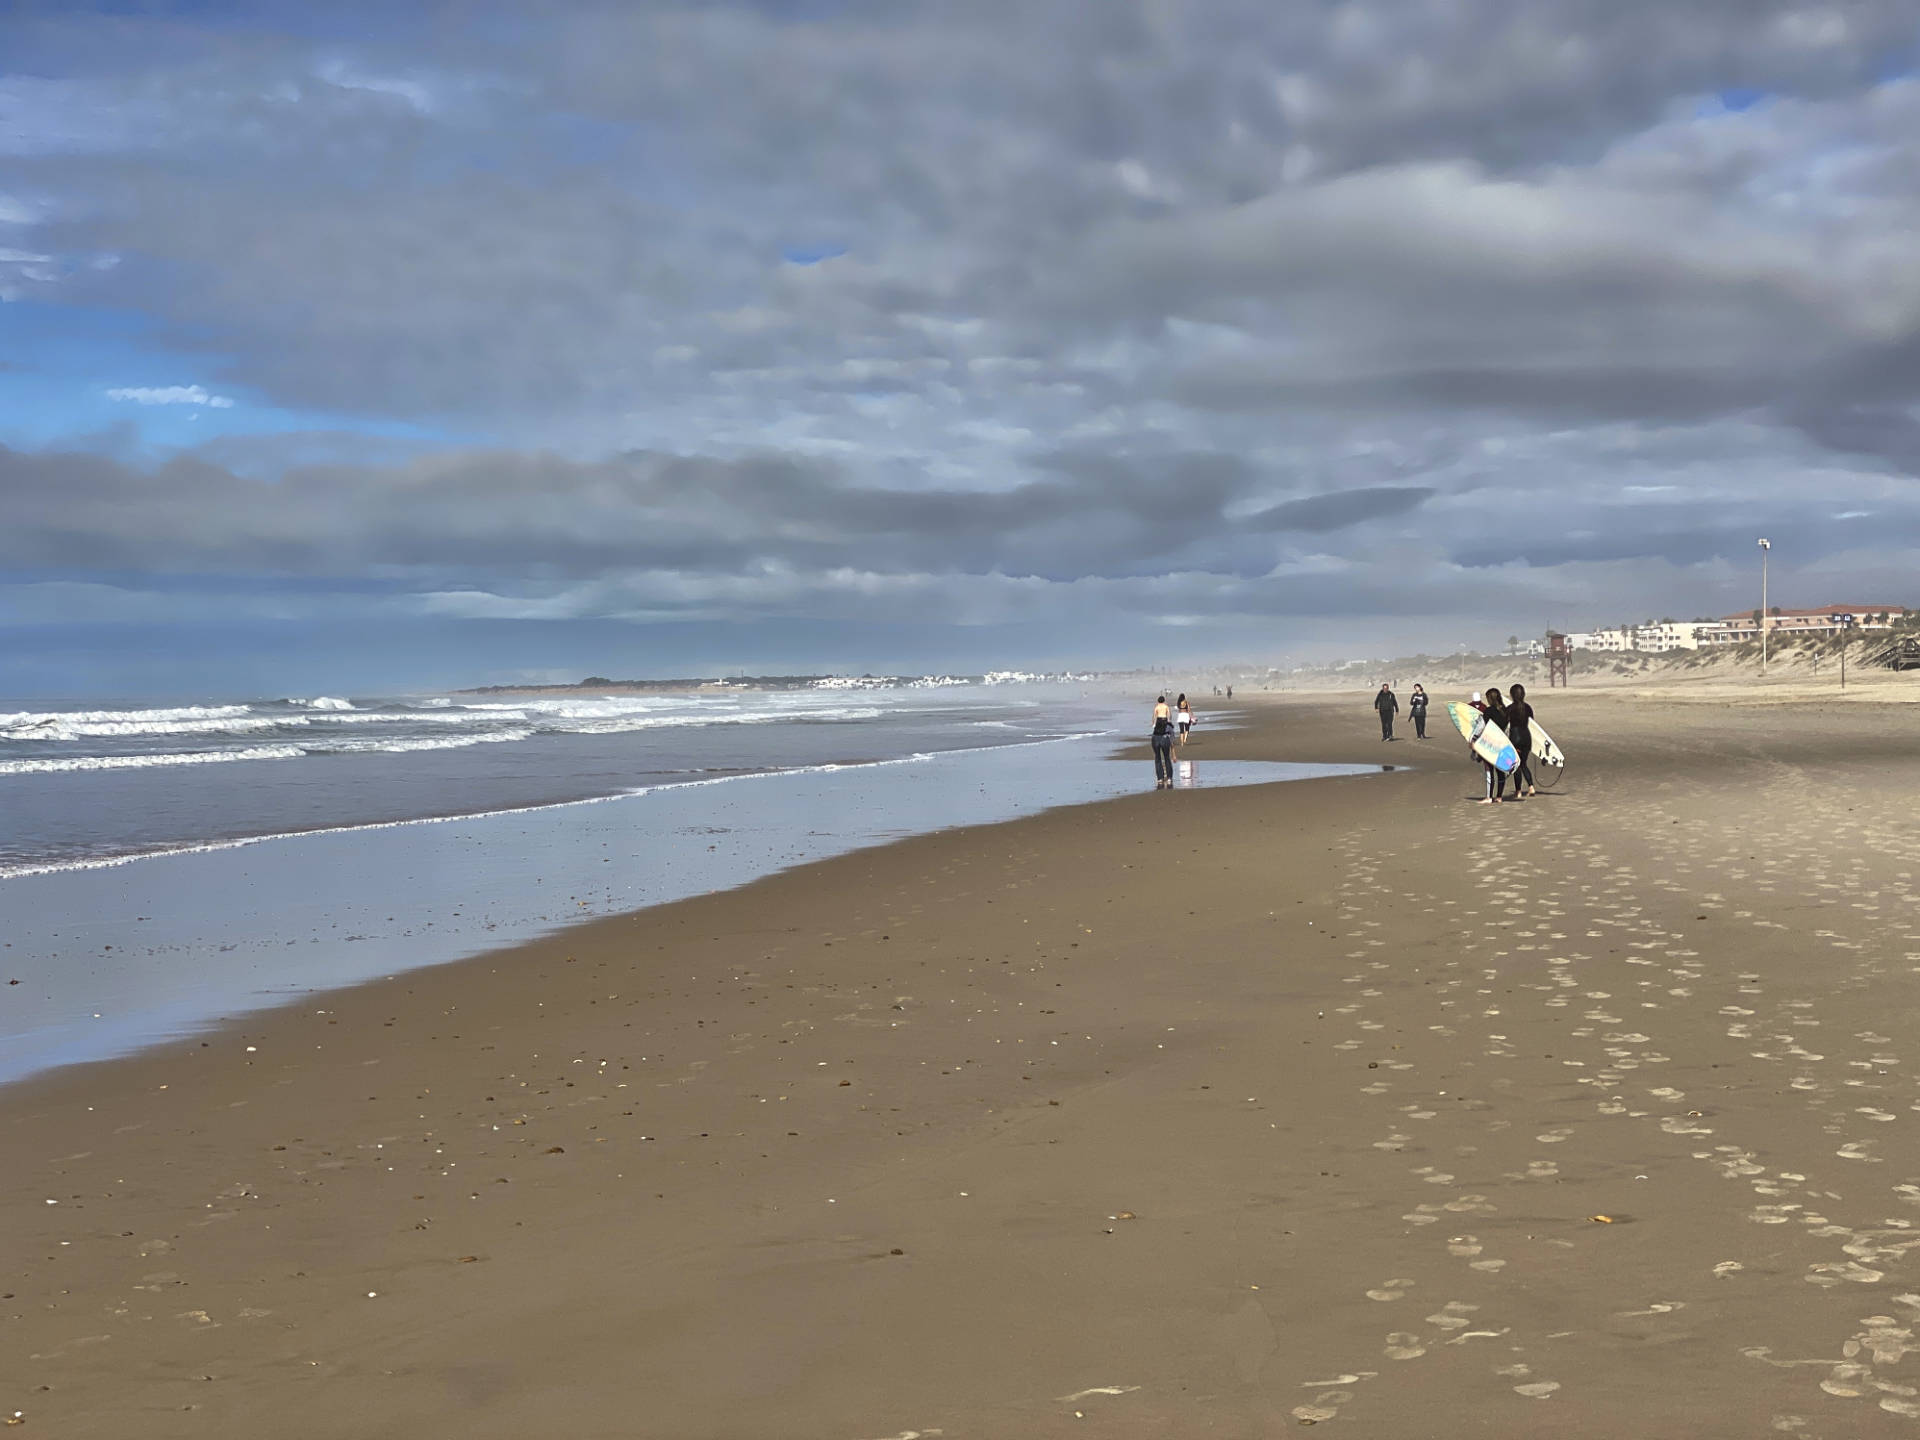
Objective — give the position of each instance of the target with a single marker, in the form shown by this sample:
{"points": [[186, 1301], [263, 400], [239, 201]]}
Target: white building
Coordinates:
{"points": [[1614, 640]]}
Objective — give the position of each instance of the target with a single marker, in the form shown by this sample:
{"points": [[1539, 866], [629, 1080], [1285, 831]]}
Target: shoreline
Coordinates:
{"points": [[1216, 1111], [149, 950], [238, 842]]}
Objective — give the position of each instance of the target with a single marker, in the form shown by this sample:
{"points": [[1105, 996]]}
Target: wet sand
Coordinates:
{"points": [[1220, 1112]]}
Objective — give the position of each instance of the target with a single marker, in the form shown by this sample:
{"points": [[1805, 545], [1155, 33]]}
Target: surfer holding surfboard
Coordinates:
{"points": [[1484, 724], [1520, 731], [1491, 747]]}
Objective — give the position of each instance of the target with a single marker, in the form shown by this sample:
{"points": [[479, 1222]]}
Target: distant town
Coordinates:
{"points": [[1656, 637]]}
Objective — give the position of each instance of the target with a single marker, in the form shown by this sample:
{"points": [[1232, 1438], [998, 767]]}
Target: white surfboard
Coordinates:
{"points": [[1543, 748], [1489, 741]]}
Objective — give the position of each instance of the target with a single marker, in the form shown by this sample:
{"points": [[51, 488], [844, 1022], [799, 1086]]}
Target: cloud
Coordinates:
{"points": [[171, 395], [1340, 509], [1034, 309], [529, 519]]}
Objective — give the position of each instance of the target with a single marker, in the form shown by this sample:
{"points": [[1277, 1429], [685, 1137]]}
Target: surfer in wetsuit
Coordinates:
{"points": [[1494, 709], [1520, 732], [1162, 745]]}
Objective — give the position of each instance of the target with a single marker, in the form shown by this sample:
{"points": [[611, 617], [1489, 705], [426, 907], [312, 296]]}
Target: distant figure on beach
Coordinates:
{"points": [[1495, 709], [1520, 732], [1417, 708], [1386, 704], [1229, 692], [1162, 745], [1184, 715]]}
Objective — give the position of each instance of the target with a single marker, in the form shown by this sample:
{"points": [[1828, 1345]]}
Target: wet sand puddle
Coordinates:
{"points": [[1606, 1023]]}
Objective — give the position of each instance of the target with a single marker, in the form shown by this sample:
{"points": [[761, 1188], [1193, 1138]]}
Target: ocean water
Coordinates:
{"points": [[84, 784], [146, 900]]}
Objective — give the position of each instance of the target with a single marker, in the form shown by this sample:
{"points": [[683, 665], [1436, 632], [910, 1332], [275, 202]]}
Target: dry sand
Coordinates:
{"points": [[1221, 1112]]}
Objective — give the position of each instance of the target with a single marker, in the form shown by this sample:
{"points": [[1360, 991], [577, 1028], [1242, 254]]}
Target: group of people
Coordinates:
{"points": [[1388, 704], [1513, 715], [1511, 712], [1171, 725]]}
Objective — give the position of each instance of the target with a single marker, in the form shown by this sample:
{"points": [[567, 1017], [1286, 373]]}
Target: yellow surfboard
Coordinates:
{"points": [[1489, 741]]}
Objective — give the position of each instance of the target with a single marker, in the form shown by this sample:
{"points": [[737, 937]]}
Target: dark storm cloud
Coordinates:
{"points": [[1337, 511], [519, 517], [984, 308], [1887, 432]]}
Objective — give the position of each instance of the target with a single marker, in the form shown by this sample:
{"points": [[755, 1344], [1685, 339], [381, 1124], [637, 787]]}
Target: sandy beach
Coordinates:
{"points": [[1227, 1112]]}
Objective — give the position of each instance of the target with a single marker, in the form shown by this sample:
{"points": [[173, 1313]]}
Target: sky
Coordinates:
{"points": [[379, 345]]}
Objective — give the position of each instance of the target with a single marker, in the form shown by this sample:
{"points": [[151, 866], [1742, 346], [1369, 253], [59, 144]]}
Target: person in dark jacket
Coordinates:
{"points": [[1417, 708], [1386, 704]]}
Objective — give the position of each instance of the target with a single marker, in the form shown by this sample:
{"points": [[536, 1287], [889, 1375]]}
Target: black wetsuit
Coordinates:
{"points": [[1520, 732], [1496, 777]]}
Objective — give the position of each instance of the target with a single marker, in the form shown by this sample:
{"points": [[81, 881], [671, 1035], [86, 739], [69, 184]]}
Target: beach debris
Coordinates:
{"points": [[1601, 1219], [556, 1150], [469, 1259]]}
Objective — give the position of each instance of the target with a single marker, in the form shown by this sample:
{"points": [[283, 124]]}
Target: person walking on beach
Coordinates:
{"points": [[1495, 710], [1184, 714], [1162, 745], [1520, 732], [1417, 708], [1386, 704]]}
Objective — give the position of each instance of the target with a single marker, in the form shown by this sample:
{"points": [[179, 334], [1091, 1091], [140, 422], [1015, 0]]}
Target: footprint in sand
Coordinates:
{"points": [[1330, 1397], [1452, 1315]]}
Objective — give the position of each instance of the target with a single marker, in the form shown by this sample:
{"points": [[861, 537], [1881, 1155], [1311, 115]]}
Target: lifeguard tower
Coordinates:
{"points": [[1557, 652]]}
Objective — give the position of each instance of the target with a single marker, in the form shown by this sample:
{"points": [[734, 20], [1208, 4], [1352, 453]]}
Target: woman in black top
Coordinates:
{"points": [[1417, 708], [1520, 731], [1495, 709]]}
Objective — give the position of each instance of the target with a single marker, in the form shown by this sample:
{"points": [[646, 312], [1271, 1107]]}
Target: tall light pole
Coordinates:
{"points": [[1766, 548]]}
